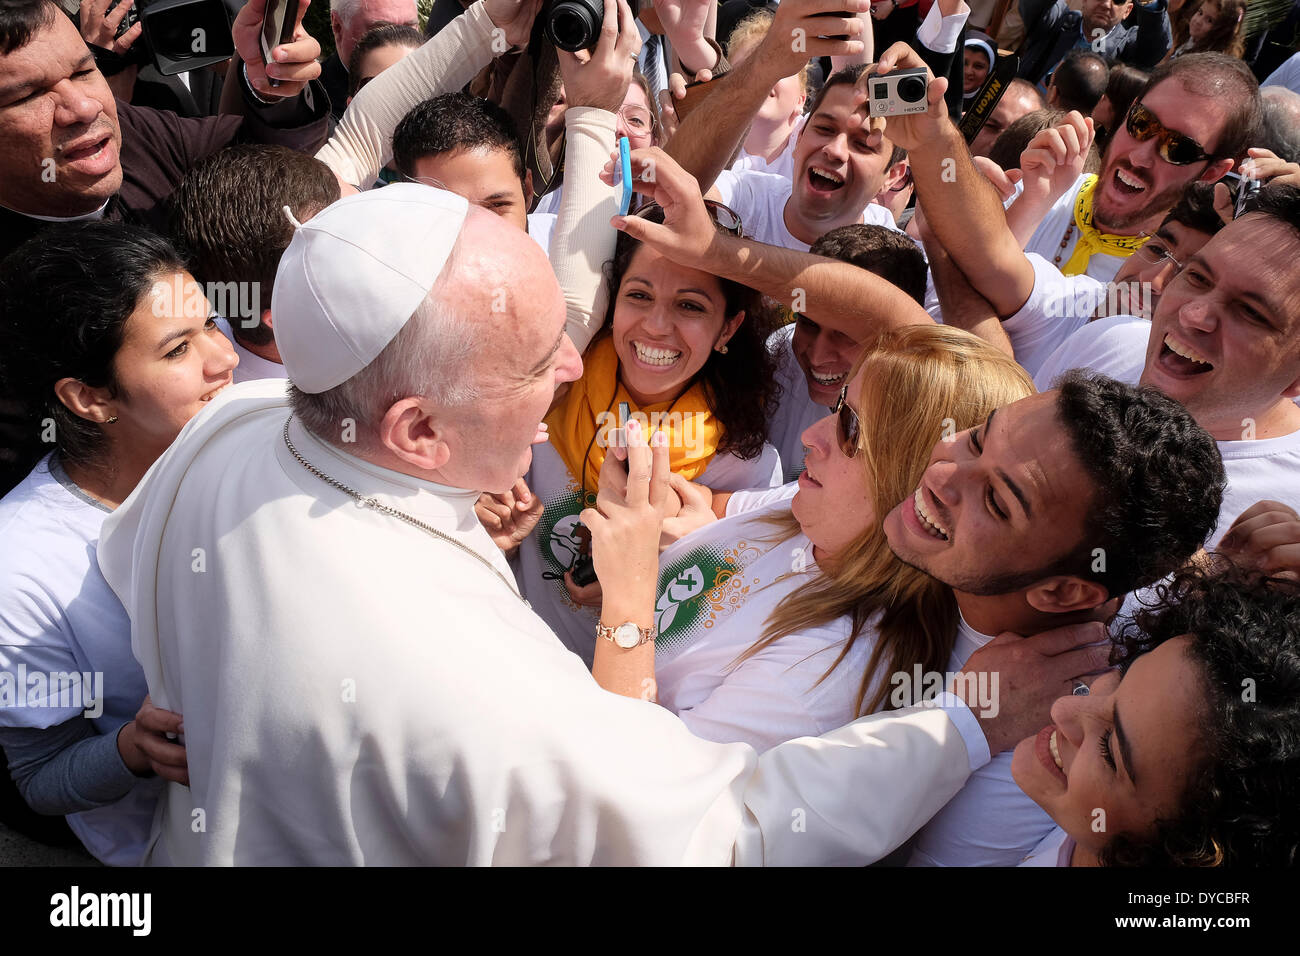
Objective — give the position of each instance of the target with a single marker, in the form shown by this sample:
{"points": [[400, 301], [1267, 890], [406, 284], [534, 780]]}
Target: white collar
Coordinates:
{"points": [[94, 214]]}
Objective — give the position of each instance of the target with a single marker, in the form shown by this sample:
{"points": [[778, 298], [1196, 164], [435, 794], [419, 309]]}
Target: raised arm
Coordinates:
{"points": [[363, 141], [706, 140]]}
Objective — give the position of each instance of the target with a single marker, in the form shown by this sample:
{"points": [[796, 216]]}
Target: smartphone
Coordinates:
{"points": [[625, 188], [695, 94], [277, 28], [1243, 188]]}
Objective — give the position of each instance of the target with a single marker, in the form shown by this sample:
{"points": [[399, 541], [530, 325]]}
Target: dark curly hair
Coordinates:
{"points": [[65, 297], [1240, 807], [1157, 476], [741, 385]]}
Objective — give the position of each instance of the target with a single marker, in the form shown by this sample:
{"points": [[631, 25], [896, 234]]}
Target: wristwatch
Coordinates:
{"points": [[626, 635]]}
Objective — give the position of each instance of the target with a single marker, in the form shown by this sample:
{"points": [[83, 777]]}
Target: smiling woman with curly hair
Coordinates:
{"points": [[1192, 756]]}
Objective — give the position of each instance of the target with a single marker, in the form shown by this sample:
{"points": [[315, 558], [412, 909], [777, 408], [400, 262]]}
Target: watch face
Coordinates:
{"points": [[627, 635]]}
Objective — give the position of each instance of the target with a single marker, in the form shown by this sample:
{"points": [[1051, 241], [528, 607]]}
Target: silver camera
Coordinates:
{"points": [[898, 92]]}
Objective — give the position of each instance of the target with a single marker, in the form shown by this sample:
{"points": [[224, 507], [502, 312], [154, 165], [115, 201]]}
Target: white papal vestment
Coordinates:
{"points": [[356, 691]]}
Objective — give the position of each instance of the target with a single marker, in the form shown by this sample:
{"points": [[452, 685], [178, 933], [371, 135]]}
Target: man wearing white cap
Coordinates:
{"points": [[361, 681]]}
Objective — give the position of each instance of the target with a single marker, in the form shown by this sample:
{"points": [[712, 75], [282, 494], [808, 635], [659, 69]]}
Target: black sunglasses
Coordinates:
{"points": [[1173, 147], [724, 217], [848, 428]]}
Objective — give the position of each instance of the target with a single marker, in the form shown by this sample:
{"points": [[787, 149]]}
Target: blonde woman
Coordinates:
{"points": [[806, 569]]}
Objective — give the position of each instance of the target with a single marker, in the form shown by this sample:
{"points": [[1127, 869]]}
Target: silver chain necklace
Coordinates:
{"points": [[382, 508]]}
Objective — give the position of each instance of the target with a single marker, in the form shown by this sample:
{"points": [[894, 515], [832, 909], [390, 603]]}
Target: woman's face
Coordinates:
{"points": [[1203, 20], [833, 505], [1123, 753], [975, 70], [668, 319], [173, 361], [635, 118]]}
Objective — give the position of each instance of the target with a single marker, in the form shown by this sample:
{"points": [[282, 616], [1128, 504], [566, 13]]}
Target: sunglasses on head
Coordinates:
{"points": [[1173, 147], [725, 218], [848, 428]]}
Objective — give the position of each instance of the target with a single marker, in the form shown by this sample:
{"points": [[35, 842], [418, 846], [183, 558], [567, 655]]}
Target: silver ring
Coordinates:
{"points": [[1080, 689]]}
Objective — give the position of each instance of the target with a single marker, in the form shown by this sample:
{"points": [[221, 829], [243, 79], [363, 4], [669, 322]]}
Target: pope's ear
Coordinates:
{"points": [[410, 431]]}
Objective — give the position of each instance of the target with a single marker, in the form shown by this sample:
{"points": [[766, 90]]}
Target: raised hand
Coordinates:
{"points": [[600, 78], [799, 34], [99, 25], [293, 64], [1266, 537], [919, 129], [1054, 159], [514, 18], [687, 231]]}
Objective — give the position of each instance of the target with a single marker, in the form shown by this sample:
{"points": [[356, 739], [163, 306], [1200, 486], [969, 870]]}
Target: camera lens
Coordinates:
{"points": [[911, 89], [574, 25]]}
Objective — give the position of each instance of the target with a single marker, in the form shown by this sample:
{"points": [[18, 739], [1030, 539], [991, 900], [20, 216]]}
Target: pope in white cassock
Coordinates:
{"points": [[361, 681]]}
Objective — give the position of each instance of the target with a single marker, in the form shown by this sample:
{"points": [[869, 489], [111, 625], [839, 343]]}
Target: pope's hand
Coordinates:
{"points": [[625, 527], [293, 64], [145, 746], [509, 517], [1026, 675]]}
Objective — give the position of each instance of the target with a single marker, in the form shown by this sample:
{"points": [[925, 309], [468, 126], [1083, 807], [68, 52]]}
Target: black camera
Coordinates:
{"points": [[574, 25], [178, 35]]}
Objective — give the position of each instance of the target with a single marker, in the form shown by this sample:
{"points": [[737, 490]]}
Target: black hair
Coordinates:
{"points": [[228, 218], [454, 121], [1195, 209], [1223, 78], [740, 385], [1280, 201], [65, 297], [1157, 481], [1239, 807], [847, 76], [1080, 80], [20, 20], [380, 35], [885, 252]]}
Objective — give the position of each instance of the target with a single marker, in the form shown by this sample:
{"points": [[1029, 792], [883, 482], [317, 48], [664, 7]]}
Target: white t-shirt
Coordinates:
{"points": [[1051, 850], [759, 200], [58, 615], [1047, 238], [783, 165], [991, 822], [1267, 468], [553, 546], [251, 366], [795, 410], [754, 498], [541, 225], [717, 589], [1058, 306]]}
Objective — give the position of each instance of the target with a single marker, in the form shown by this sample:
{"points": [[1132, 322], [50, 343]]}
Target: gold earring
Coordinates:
{"points": [[722, 350], [109, 421]]}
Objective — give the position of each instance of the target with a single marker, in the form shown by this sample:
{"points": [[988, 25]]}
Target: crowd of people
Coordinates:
{"points": [[460, 450]]}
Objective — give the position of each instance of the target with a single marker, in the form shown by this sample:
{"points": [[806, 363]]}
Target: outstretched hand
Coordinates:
{"points": [[687, 232], [293, 64], [1054, 159], [600, 78]]}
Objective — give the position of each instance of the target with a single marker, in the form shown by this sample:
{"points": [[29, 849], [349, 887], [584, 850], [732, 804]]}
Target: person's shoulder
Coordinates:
{"points": [[1114, 346]]}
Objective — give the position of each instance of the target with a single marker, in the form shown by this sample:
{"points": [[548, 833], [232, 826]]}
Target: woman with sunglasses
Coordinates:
{"points": [[1185, 755], [784, 617], [682, 353], [107, 344]]}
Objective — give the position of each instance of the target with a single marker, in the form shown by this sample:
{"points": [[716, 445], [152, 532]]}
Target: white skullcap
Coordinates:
{"points": [[354, 274]]}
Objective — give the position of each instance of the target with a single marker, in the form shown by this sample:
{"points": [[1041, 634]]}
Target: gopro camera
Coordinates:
{"points": [[898, 93]]}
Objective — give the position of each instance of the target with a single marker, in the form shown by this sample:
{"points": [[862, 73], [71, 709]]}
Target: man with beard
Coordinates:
{"points": [[1195, 117]]}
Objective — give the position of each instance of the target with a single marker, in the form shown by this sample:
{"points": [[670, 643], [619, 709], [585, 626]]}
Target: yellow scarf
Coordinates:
{"points": [[1091, 239], [582, 426]]}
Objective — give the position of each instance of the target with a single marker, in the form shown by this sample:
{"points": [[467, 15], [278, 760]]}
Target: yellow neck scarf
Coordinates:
{"points": [[582, 426], [1091, 239]]}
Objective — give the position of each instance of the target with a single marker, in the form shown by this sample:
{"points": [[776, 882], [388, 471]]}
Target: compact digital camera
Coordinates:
{"points": [[898, 92]]}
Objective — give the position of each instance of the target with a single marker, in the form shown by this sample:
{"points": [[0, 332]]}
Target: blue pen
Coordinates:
{"points": [[625, 178]]}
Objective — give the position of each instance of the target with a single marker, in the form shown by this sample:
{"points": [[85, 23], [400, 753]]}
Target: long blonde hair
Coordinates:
{"points": [[920, 384]]}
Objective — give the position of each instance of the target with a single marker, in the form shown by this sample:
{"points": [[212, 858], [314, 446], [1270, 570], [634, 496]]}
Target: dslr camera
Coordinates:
{"points": [[178, 35], [898, 93], [574, 25]]}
